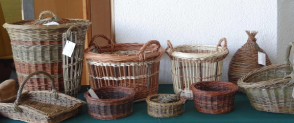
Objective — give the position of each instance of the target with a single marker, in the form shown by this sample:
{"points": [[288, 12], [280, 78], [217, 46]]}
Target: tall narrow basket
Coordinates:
{"points": [[195, 63], [270, 88], [127, 64], [39, 48], [73, 66]]}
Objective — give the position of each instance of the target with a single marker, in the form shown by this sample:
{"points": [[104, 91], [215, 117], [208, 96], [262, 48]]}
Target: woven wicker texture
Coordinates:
{"points": [[40, 106], [113, 103], [245, 59], [39, 48], [195, 63], [73, 66], [270, 88], [214, 97], [127, 64], [171, 109]]}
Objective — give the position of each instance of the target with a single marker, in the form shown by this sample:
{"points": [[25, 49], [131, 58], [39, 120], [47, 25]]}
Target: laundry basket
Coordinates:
{"points": [[38, 47], [130, 65], [270, 88], [195, 63]]}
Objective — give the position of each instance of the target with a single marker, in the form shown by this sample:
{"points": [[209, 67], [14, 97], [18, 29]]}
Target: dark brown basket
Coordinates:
{"points": [[245, 59], [113, 103], [214, 97]]}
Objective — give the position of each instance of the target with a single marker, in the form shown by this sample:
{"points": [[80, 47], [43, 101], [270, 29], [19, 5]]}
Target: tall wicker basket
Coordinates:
{"points": [[130, 65], [39, 48], [270, 88], [245, 59], [195, 63]]}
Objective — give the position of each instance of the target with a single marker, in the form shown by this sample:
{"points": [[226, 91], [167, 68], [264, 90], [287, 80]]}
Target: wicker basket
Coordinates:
{"points": [[270, 88], [73, 66], [127, 64], [160, 110], [113, 103], [214, 97], [195, 63], [40, 106], [245, 59], [39, 48]]}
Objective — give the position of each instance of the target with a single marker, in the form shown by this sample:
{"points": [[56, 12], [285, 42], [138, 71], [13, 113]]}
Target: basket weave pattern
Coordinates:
{"points": [[129, 65], [195, 63], [113, 103], [214, 97]]}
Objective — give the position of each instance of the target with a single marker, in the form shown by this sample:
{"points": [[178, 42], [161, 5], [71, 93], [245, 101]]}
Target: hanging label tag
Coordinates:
{"points": [[293, 93], [68, 48], [261, 58], [93, 94], [51, 23]]}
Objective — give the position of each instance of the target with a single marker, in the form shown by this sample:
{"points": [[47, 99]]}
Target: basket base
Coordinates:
{"points": [[273, 108]]}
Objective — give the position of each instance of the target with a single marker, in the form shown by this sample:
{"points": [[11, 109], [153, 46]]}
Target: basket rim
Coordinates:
{"points": [[246, 85], [233, 86], [13, 25], [202, 56], [148, 101], [86, 95]]}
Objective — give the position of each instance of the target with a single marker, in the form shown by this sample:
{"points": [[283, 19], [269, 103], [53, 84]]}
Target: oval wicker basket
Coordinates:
{"points": [[160, 110], [245, 59], [195, 63], [126, 64], [214, 97], [270, 88], [113, 103], [39, 48]]}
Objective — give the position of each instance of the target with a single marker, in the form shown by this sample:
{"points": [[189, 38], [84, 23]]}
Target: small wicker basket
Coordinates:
{"points": [[40, 106], [214, 97], [130, 65], [160, 110], [113, 103], [195, 63], [270, 88]]}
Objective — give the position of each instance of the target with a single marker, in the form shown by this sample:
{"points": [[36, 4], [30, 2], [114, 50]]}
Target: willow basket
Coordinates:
{"points": [[245, 59], [127, 64], [270, 88], [73, 66], [113, 103], [40, 106], [214, 97], [195, 63], [39, 48], [160, 110]]}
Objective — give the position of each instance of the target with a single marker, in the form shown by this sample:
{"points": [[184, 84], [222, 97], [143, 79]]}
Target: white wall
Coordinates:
{"points": [[197, 22]]}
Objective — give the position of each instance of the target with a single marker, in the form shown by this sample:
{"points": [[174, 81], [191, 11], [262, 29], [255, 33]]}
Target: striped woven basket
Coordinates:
{"points": [[39, 48], [270, 88], [195, 63], [130, 65]]}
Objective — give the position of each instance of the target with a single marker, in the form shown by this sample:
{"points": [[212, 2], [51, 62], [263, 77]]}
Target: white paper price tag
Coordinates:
{"points": [[68, 48], [51, 23], [93, 94], [293, 93], [261, 58]]}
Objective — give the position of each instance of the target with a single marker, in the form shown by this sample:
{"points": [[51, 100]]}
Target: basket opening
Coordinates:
{"points": [[122, 52], [165, 98], [111, 95], [197, 49], [269, 75], [212, 87]]}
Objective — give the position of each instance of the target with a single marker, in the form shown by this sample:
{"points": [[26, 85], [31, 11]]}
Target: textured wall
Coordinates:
{"points": [[197, 22]]}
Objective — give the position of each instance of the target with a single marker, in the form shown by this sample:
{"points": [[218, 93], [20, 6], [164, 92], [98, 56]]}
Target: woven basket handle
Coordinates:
{"points": [[16, 103], [220, 42], [288, 50], [169, 46], [47, 12], [145, 46], [72, 27], [92, 44]]}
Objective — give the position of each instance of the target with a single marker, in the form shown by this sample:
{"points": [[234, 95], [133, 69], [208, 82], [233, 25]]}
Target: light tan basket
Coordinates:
{"points": [[195, 63]]}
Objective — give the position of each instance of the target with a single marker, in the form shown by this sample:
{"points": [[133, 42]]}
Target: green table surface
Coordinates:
{"points": [[242, 113]]}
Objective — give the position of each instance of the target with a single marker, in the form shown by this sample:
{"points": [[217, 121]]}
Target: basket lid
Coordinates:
{"points": [[48, 21]]}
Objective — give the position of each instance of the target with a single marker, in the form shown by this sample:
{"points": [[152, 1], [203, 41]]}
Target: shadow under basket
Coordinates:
{"points": [[113, 103], [214, 97]]}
